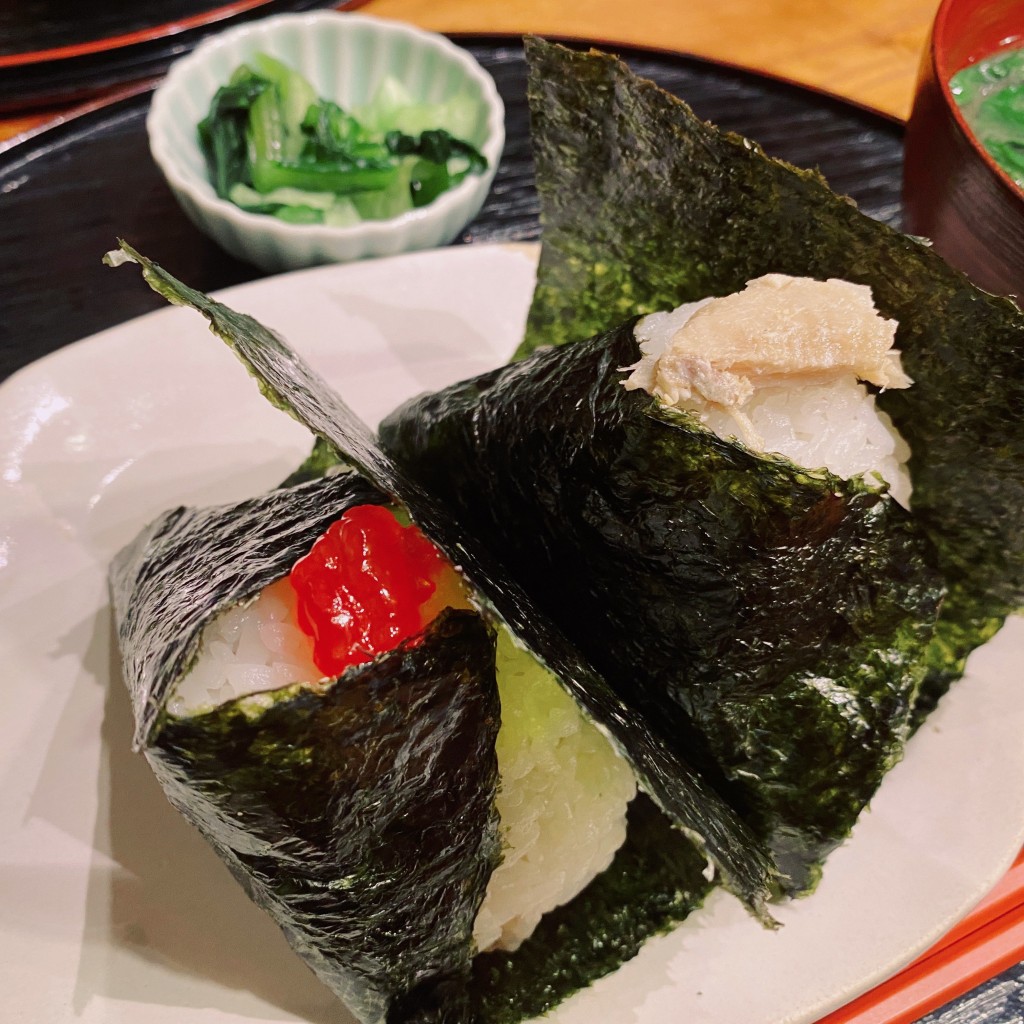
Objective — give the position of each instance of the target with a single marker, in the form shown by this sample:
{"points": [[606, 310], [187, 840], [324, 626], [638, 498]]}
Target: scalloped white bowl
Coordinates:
{"points": [[345, 57]]}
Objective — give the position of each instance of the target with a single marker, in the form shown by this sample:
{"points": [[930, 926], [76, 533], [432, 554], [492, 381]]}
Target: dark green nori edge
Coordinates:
{"points": [[360, 812], [644, 206], [771, 620], [745, 865]]}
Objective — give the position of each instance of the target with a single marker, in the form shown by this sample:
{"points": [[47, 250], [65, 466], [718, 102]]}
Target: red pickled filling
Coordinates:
{"points": [[366, 586]]}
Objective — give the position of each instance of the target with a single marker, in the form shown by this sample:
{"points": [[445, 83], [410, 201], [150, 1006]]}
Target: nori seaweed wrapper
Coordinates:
{"points": [[656, 879], [644, 207], [771, 619], [359, 812], [662, 768]]}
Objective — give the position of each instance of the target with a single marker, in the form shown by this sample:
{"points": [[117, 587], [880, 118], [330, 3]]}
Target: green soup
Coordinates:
{"points": [[990, 94]]}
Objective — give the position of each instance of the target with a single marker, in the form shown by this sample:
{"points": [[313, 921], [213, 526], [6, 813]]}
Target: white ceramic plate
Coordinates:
{"points": [[113, 910]]}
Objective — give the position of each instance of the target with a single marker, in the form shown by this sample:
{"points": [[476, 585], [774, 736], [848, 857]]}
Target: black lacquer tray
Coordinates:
{"points": [[67, 193], [54, 52]]}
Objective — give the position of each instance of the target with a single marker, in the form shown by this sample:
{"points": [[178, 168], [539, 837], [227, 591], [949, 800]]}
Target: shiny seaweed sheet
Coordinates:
{"points": [[770, 619], [645, 206], [360, 811]]}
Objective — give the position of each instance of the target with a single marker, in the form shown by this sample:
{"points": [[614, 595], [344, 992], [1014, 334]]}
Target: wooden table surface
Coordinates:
{"points": [[867, 51]]}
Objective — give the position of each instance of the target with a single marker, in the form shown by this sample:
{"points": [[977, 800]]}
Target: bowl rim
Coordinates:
{"points": [[199, 190], [942, 70]]}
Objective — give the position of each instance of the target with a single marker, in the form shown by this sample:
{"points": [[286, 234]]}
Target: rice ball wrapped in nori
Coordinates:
{"points": [[249, 753], [772, 618], [358, 811], [787, 606], [644, 206], [371, 583]]}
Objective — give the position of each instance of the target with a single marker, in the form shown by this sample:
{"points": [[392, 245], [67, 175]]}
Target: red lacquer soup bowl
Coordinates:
{"points": [[953, 191]]}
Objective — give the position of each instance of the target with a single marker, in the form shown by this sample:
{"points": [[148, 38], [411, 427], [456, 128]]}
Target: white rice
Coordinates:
{"points": [[832, 424], [247, 650], [563, 797], [836, 426]]}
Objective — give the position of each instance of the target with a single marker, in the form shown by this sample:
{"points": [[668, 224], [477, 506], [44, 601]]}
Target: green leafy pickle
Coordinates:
{"points": [[268, 132], [223, 132]]}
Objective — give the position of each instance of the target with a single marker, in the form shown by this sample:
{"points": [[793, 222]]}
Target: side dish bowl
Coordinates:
{"points": [[345, 57], [954, 192]]}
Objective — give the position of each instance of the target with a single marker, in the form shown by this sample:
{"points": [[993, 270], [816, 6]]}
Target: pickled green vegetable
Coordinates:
{"points": [[273, 146]]}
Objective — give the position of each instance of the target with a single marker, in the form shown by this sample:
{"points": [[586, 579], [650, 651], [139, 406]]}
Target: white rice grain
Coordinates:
{"points": [[248, 649]]}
